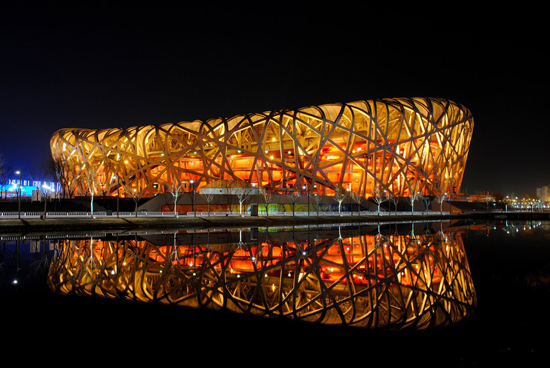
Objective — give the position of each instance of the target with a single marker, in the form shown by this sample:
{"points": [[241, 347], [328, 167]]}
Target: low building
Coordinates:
{"points": [[544, 194]]}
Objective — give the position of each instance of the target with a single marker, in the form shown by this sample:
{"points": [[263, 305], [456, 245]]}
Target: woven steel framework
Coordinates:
{"points": [[399, 145], [370, 281]]}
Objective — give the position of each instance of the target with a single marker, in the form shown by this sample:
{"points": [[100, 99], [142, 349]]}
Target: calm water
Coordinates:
{"points": [[459, 294]]}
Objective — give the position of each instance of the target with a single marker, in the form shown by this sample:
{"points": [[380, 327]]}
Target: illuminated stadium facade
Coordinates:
{"points": [[399, 145]]}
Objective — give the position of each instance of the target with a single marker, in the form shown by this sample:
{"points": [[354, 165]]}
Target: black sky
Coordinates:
{"points": [[100, 67]]}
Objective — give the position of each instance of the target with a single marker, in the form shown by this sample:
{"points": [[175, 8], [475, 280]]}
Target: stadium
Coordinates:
{"points": [[395, 146]]}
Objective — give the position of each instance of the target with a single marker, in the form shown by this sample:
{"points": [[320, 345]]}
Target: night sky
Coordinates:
{"points": [[93, 67]]}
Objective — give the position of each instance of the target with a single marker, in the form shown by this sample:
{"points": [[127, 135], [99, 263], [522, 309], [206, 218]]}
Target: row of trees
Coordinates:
{"points": [[243, 192], [49, 170], [379, 197]]}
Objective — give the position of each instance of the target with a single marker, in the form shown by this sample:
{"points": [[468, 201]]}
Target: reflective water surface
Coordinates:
{"points": [[369, 280], [477, 290]]}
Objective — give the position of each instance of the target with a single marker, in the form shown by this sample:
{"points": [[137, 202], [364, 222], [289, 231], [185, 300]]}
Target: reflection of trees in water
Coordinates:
{"points": [[40, 261], [538, 280], [531, 274], [22, 260], [5, 257], [395, 281]]}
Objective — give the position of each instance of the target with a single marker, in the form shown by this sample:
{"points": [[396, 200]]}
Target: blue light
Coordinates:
{"points": [[11, 190]]}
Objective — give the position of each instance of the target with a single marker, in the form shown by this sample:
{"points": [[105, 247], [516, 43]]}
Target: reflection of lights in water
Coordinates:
{"points": [[394, 281], [512, 228]]}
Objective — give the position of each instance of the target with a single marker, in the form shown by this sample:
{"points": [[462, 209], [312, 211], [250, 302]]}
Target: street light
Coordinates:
{"points": [[18, 172], [349, 195], [305, 187], [256, 195], [193, 204], [317, 201], [47, 190], [117, 195]]}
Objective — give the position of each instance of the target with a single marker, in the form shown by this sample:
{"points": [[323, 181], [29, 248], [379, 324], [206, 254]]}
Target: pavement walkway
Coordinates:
{"points": [[36, 225]]}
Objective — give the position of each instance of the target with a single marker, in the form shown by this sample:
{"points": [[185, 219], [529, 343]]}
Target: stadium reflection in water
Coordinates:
{"points": [[368, 279]]}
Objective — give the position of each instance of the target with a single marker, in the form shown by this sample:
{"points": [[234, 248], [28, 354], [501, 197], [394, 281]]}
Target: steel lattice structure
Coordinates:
{"points": [[399, 145], [368, 281]]}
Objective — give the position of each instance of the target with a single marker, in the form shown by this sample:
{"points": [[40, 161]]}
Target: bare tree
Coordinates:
{"points": [[46, 194], [357, 199], [379, 197], [133, 191], [136, 196], [208, 197], [91, 183], [318, 199], [440, 199], [294, 196], [341, 194], [40, 172], [243, 191], [427, 200], [227, 187], [393, 198], [176, 189], [267, 198], [414, 194], [54, 170], [5, 175], [37, 173]]}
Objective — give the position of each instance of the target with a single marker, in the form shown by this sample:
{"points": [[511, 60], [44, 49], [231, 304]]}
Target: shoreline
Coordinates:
{"points": [[51, 225]]}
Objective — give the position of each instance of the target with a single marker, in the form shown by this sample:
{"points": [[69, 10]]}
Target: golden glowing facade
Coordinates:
{"points": [[400, 145], [398, 281]]}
